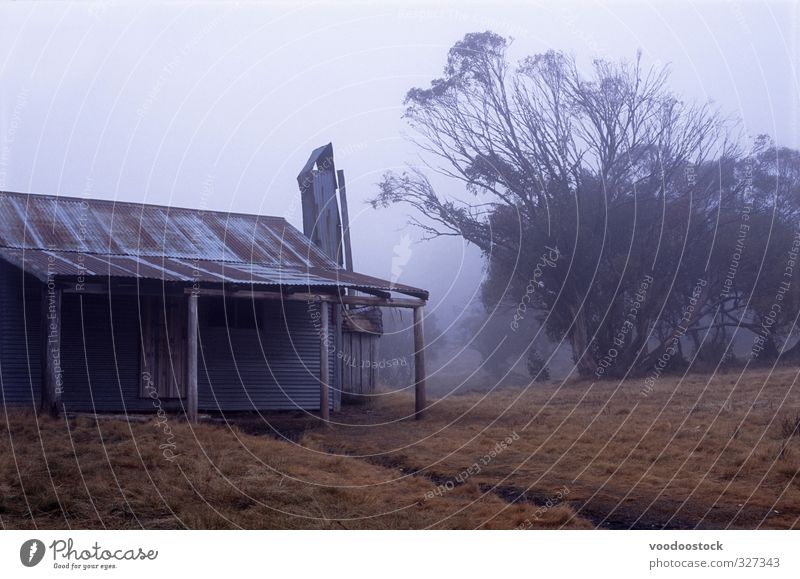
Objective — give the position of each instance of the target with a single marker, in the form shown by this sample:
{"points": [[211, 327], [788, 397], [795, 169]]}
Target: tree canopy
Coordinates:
{"points": [[666, 231]]}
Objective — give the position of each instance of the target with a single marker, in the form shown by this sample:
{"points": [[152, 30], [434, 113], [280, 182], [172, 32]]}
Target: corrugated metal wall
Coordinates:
{"points": [[242, 369], [100, 355], [20, 297], [239, 369]]}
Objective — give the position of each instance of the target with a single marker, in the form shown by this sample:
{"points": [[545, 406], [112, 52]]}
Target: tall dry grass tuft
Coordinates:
{"points": [[790, 426]]}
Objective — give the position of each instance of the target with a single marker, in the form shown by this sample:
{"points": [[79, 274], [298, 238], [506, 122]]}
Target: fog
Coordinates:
{"points": [[218, 106]]}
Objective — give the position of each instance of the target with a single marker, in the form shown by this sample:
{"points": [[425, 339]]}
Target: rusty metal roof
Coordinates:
{"points": [[70, 237]]}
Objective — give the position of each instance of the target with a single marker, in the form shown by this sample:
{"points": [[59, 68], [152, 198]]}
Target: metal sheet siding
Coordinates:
{"points": [[20, 298], [276, 368], [240, 369], [101, 361], [100, 355]]}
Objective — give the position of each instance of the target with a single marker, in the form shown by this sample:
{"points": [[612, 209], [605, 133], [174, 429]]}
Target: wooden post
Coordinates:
{"points": [[419, 363], [191, 361], [52, 377], [337, 361], [324, 364]]}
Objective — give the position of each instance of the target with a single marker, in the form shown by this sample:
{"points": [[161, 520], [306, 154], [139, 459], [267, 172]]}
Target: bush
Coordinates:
{"points": [[537, 369], [790, 426]]}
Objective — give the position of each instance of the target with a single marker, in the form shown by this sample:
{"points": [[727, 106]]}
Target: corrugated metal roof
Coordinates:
{"points": [[68, 237]]}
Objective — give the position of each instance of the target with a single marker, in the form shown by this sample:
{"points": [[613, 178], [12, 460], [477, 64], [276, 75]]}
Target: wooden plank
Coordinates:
{"points": [[349, 386], [357, 363], [191, 359], [365, 363], [164, 342], [363, 356], [176, 329], [52, 376], [324, 368], [115, 290], [308, 297], [376, 343], [327, 228], [356, 339], [179, 290], [170, 351], [348, 250], [146, 355], [162, 361], [373, 375], [419, 363]]}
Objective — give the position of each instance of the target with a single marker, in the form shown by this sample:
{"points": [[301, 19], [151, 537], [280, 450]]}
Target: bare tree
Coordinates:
{"points": [[599, 165]]}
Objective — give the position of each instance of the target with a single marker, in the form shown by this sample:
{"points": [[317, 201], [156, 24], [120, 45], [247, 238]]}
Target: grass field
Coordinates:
{"points": [[721, 452]]}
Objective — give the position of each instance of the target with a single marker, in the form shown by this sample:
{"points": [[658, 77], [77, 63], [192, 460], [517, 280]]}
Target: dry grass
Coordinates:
{"points": [[702, 452], [82, 473], [697, 453]]}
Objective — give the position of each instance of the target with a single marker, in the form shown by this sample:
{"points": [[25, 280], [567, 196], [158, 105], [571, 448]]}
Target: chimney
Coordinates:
{"points": [[322, 222]]}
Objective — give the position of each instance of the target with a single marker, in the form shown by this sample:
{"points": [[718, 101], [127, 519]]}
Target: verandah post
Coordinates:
{"points": [[191, 360], [419, 363], [324, 363], [51, 373]]}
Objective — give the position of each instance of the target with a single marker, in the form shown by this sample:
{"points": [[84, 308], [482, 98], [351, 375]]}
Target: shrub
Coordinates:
{"points": [[790, 426], [537, 368]]}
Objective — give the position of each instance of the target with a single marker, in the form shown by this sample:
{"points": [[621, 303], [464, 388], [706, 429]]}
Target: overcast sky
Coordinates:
{"points": [[218, 105]]}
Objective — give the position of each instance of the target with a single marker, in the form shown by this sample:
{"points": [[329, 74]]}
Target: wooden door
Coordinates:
{"points": [[163, 355]]}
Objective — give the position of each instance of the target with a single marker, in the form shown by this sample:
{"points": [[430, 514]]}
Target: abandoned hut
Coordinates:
{"points": [[123, 307]]}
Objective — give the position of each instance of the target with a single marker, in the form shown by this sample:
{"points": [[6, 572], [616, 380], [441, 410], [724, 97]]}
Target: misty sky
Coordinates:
{"points": [[218, 105]]}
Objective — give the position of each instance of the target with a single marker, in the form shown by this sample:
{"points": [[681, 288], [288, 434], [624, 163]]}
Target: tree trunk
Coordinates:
{"points": [[677, 332], [581, 354]]}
